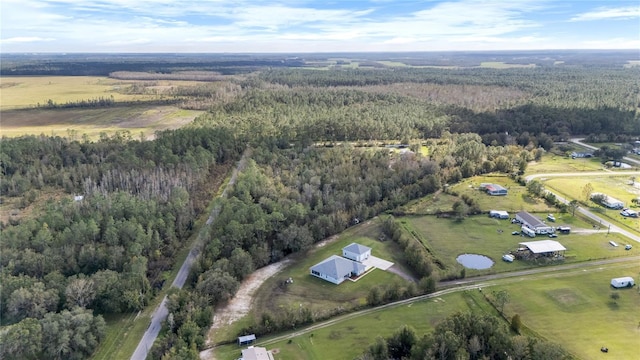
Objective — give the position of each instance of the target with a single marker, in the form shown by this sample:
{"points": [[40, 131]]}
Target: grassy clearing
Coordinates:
{"points": [[551, 163], [19, 92], [503, 65], [571, 308], [516, 200], [619, 187], [138, 119], [348, 339], [316, 294], [577, 312], [28, 91], [448, 238]]}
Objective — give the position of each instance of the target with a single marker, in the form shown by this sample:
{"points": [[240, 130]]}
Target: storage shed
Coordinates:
{"points": [[622, 282], [498, 214]]}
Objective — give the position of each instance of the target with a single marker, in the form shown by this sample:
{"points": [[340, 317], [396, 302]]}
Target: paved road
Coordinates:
{"points": [[465, 284], [579, 142], [161, 312], [604, 224]]}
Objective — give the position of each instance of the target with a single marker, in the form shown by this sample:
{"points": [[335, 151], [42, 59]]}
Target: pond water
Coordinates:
{"points": [[475, 261]]}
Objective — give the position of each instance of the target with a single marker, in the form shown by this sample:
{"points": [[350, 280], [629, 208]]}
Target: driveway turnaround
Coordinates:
{"points": [[376, 262]]}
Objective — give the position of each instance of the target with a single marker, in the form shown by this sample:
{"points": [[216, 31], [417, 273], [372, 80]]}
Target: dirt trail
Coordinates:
{"points": [[240, 304]]}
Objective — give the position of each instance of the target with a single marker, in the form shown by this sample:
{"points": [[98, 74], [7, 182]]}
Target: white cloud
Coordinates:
{"points": [[25, 39], [623, 13]]}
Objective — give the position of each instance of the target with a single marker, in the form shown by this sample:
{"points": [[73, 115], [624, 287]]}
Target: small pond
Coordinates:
{"points": [[475, 261]]}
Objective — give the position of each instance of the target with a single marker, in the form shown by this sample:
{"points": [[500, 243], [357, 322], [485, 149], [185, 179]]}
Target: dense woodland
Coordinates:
{"points": [[313, 168]]}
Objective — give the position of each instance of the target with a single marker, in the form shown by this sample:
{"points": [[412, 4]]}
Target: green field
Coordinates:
{"points": [[551, 163], [571, 308], [348, 339], [72, 123], [503, 65], [448, 238], [618, 187]]}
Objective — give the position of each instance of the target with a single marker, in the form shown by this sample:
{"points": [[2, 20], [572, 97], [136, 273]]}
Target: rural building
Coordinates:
{"points": [[629, 213], [498, 214], [336, 269], [542, 248], [581, 155], [621, 282], [533, 223], [256, 353], [608, 201], [356, 252], [247, 339], [564, 229], [494, 189]]}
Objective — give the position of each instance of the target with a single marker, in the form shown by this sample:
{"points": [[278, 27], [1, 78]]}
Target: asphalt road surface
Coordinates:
{"points": [[161, 312]]}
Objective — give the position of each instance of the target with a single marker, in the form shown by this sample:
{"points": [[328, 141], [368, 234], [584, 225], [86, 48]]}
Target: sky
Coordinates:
{"points": [[237, 26]]}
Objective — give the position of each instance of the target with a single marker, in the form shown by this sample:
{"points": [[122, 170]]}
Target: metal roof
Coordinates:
{"points": [[246, 338], [543, 246], [337, 267], [531, 220], [356, 248]]}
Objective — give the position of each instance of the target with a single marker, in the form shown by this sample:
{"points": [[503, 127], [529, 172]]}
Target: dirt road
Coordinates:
{"points": [[161, 313]]}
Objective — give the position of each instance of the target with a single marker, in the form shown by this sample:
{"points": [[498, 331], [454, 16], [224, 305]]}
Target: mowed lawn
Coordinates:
{"points": [[321, 296], [552, 163], [619, 187], [448, 238], [516, 200], [578, 313]]}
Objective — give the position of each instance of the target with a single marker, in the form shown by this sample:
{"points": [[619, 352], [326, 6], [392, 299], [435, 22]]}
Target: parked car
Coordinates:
{"points": [[515, 233], [628, 247], [553, 235], [551, 218]]}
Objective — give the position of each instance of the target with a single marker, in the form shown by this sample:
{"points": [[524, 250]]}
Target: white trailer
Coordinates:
{"points": [[525, 230], [622, 282]]}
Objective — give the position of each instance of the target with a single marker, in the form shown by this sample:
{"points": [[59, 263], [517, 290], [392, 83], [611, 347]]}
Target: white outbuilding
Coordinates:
{"points": [[622, 282]]}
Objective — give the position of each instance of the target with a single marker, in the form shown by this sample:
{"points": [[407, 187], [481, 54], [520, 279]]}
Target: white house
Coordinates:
{"points": [[621, 282], [337, 269], [356, 252], [256, 353]]}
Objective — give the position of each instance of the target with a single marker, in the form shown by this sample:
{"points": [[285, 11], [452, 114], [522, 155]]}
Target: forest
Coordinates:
{"points": [[106, 217]]}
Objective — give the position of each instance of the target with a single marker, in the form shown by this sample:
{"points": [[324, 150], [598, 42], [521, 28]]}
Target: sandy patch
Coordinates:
{"points": [[240, 304]]}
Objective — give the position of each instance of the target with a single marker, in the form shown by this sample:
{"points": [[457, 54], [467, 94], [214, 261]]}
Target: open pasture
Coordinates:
{"points": [[578, 312], [619, 187], [572, 308], [29, 91], [77, 122], [552, 163], [516, 200], [448, 238]]}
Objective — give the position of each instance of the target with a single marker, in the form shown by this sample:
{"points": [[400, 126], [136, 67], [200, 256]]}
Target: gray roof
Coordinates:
{"points": [[356, 248], [337, 267], [246, 338], [543, 246], [531, 220]]}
